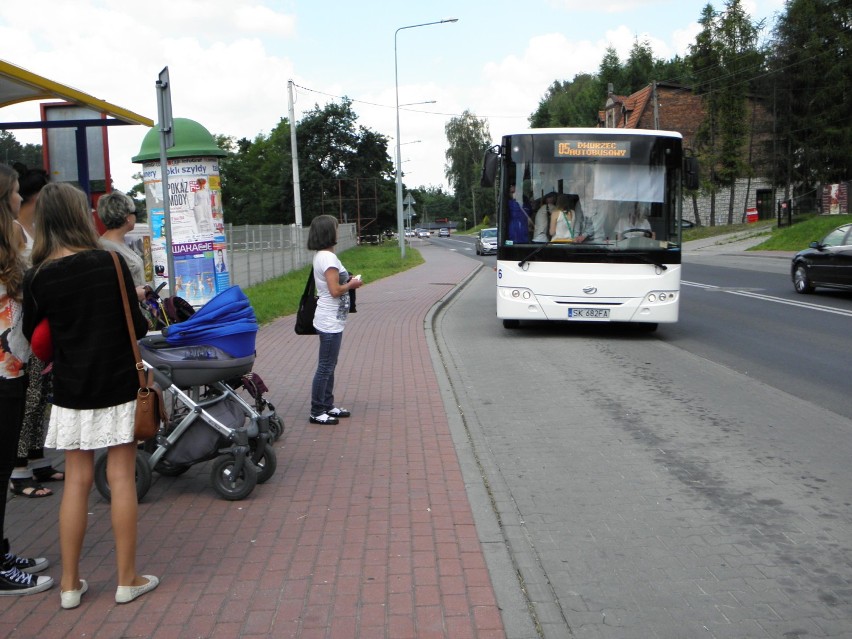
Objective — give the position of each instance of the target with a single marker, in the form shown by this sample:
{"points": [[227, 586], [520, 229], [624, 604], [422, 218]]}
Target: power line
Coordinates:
{"points": [[391, 106]]}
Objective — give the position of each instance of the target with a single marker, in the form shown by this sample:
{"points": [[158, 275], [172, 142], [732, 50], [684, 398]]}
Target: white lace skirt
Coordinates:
{"points": [[73, 429]]}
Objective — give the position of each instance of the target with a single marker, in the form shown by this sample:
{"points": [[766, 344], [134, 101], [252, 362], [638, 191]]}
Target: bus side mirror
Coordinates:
{"points": [[490, 161], [690, 173]]}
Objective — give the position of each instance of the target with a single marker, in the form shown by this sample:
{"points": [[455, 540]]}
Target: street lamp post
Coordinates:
{"points": [[399, 220]]}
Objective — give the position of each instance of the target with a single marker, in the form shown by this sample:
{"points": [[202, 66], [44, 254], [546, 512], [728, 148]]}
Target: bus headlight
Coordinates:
{"points": [[517, 294], [661, 297]]}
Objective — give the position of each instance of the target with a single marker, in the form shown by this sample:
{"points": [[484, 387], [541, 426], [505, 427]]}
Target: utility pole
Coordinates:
{"points": [[297, 196]]}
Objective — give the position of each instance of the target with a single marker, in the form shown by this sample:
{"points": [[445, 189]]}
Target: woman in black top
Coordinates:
{"points": [[73, 284]]}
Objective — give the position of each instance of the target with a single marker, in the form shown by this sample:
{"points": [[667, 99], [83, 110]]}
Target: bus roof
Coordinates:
{"points": [[598, 131]]}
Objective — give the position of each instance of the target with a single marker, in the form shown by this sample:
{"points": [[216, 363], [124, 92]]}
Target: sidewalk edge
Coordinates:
{"points": [[518, 620]]}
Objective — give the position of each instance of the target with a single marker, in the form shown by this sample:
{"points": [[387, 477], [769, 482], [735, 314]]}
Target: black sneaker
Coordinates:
{"points": [[30, 565], [15, 582], [325, 419]]}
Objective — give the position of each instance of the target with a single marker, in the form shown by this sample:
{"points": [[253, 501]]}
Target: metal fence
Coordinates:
{"points": [[264, 252]]}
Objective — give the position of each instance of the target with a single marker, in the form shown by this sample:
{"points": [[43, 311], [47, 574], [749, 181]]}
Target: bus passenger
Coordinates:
{"points": [[519, 220], [542, 217], [565, 224]]}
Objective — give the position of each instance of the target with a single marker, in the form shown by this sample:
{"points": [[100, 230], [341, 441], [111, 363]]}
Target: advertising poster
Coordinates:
{"points": [[139, 239], [198, 247], [835, 198]]}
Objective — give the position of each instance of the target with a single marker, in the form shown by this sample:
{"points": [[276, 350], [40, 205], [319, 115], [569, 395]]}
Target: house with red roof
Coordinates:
{"points": [[672, 107]]}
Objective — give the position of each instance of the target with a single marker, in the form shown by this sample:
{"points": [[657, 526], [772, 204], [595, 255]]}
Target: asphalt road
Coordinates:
{"points": [[743, 313], [656, 485]]}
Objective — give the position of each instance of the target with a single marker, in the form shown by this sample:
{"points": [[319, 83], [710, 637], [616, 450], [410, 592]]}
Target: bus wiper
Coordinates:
{"points": [[533, 254], [646, 260]]}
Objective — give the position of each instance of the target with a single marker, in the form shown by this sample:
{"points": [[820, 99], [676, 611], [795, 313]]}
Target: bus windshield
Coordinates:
{"points": [[588, 188]]}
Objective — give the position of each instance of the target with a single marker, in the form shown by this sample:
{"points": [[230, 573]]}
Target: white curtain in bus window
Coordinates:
{"points": [[629, 183]]}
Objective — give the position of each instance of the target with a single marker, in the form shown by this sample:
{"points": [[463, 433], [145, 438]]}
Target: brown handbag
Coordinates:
{"points": [[149, 398]]}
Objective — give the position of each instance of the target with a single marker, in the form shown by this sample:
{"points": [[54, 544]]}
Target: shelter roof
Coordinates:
{"points": [[19, 85]]}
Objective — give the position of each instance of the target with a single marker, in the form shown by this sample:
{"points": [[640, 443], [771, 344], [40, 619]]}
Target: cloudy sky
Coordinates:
{"points": [[230, 60]]}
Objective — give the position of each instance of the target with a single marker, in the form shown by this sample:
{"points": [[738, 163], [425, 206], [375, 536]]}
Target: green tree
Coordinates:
{"points": [[433, 202], [741, 60], [467, 139], [809, 87], [705, 60], [570, 103], [639, 70], [338, 163], [612, 73], [677, 71], [257, 181], [12, 151], [724, 58]]}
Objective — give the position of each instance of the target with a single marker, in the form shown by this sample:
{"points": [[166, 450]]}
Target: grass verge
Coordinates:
{"points": [[275, 298], [788, 238], [800, 235]]}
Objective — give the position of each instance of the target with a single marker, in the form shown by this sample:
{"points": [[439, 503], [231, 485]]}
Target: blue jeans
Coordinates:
{"points": [[322, 390]]}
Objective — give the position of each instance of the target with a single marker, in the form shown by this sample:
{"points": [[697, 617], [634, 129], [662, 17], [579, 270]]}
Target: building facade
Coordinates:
{"points": [[672, 107]]}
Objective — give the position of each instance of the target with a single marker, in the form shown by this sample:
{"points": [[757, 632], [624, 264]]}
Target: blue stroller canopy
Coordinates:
{"points": [[227, 321]]}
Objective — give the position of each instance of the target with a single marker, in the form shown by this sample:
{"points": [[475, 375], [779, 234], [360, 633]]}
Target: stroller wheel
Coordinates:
{"points": [[266, 463], [143, 475], [276, 427], [230, 485]]}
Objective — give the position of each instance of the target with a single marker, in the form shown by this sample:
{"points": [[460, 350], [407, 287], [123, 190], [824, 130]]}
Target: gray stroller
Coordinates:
{"points": [[207, 418]]}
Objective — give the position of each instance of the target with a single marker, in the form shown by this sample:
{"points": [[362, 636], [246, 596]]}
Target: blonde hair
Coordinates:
{"points": [[63, 220], [11, 262]]}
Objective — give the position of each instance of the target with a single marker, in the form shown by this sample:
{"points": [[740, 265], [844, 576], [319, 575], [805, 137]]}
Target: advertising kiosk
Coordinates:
{"points": [[198, 244]]}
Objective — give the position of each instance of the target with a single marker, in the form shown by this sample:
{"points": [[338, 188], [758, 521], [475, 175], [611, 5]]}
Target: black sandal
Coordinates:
{"points": [[48, 473], [29, 487]]}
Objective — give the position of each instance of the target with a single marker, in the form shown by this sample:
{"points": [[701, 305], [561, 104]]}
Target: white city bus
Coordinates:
{"points": [[617, 257]]}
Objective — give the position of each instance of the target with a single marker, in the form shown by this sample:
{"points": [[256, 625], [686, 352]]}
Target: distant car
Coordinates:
{"points": [[825, 263], [486, 241], [409, 233], [443, 232], [422, 233]]}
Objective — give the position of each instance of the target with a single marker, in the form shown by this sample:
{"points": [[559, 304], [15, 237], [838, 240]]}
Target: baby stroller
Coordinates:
{"points": [[207, 418], [173, 310]]}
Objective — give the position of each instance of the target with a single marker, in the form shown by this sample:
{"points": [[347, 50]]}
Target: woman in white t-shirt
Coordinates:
{"points": [[333, 284]]}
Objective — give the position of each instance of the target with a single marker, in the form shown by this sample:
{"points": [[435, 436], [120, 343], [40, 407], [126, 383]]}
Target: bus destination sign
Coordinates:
{"points": [[591, 149]]}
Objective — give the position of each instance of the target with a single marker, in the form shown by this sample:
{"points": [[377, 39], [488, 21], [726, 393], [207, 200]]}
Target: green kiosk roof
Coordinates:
{"points": [[191, 140]]}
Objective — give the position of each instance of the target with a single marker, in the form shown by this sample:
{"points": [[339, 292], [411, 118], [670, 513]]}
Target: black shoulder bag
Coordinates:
{"points": [[307, 308]]}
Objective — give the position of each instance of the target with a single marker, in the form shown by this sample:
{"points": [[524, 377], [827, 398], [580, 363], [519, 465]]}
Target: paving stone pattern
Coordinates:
{"points": [[365, 530]]}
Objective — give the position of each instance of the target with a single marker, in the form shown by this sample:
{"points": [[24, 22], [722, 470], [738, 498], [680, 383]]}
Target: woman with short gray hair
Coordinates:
{"points": [[118, 213]]}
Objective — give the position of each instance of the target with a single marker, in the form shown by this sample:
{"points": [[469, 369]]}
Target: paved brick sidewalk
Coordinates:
{"points": [[365, 530]]}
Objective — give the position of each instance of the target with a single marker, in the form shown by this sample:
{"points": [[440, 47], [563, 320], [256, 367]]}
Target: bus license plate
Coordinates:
{"points": [[588, 313]]}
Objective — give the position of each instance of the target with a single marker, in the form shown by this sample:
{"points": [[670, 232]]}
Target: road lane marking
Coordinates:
{"points": [[769, 298]]}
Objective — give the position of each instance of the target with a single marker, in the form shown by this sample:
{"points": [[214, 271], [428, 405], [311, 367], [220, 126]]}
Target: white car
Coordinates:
{"points": [[486, 241], [423, 233]]}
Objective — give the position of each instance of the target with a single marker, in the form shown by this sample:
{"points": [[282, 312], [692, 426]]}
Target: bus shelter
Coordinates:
{"points": [[72, 127]]}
